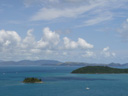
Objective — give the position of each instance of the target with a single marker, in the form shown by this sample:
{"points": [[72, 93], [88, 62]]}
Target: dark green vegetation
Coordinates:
{"points": [[32, 80], [99, 69]]}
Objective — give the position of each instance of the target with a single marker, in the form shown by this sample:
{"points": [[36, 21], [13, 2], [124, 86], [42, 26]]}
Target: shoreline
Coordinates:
{"points": [[33, 82]]}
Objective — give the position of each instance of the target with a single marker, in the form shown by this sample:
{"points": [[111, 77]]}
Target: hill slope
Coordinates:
{"points": [[99, 69]]}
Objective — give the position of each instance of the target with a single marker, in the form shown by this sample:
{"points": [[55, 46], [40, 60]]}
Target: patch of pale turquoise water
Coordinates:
{"points": [[60, 82]]}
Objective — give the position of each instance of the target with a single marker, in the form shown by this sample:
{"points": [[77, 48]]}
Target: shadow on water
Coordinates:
{"points": [[73, 78]]}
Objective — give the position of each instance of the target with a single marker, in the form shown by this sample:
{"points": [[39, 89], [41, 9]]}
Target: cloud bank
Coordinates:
{"points": [[12, 46]]}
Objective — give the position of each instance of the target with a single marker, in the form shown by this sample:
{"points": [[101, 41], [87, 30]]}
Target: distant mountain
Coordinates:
{"points": [[92, 64], [56, 63], [29, 62], [39, 62], [115, 64]]}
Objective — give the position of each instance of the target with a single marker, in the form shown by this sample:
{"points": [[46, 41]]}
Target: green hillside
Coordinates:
{"points": [[99, 69], [32, 80]]}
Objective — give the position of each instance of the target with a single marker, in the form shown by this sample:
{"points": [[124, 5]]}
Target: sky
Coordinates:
{"points": [[93, 31]]}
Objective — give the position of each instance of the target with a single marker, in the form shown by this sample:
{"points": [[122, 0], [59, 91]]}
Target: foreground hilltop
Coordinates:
{"points": [[99, 69]]}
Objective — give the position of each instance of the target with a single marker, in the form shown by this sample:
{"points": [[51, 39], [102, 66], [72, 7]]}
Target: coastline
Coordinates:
{"points": [[33, 82]]}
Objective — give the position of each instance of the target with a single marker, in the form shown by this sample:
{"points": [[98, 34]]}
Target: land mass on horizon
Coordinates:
{"points": [[99, 69], [56, 63]]}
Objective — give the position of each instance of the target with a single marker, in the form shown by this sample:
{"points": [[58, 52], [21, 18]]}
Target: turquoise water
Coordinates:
{"points": [[60, 82]]}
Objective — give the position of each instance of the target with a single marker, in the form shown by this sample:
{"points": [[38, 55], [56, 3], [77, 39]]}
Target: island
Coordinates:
{"points": [[32, 80], [99, 69]]}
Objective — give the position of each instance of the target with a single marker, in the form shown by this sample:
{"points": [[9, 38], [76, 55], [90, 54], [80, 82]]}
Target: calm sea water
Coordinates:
{"points": [[60, 82]]}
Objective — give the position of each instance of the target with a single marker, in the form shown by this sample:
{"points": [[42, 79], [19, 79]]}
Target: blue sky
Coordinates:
{"points": [[94, 31]]}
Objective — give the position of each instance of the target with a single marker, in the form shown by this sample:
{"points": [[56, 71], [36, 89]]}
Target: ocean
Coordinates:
{"points": [[58, 81]]}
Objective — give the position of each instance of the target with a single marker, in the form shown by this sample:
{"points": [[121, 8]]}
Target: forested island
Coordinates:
{"points": [[32, 80], [99, 69]]}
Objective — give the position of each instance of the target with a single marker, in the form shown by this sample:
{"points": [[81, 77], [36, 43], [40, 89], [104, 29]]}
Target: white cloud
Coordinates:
{"points": [[69, 44], [106, 53], [88, 54], [81, 43], [13, 47], [49, 39], [9, 39], [87, 9], [51, 46], [98, 19], [75, 1], [65, 53], [124, 30], [113, 54], [68, 11], [29, 40], [127, 20], [106, 49], [49, 51], [53, 13], [50, 36], [53, 0], [35, 50]]}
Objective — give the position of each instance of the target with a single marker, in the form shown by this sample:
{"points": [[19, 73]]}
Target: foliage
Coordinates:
{"points": [[99, 69], [32, 80]]}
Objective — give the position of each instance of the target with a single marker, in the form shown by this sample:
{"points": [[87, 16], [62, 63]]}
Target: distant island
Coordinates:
{"points": [[57, 63], [99, 69], [32, 80]]}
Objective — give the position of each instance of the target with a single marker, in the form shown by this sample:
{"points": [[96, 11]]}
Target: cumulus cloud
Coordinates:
{"points": [[50, 46], [105, 49], [81, 43], [29, 40], [13, 46], [106, 53], [88, 54], [9, 39], [64, 53], [35, 50], [49, 39], [69, 44]]}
